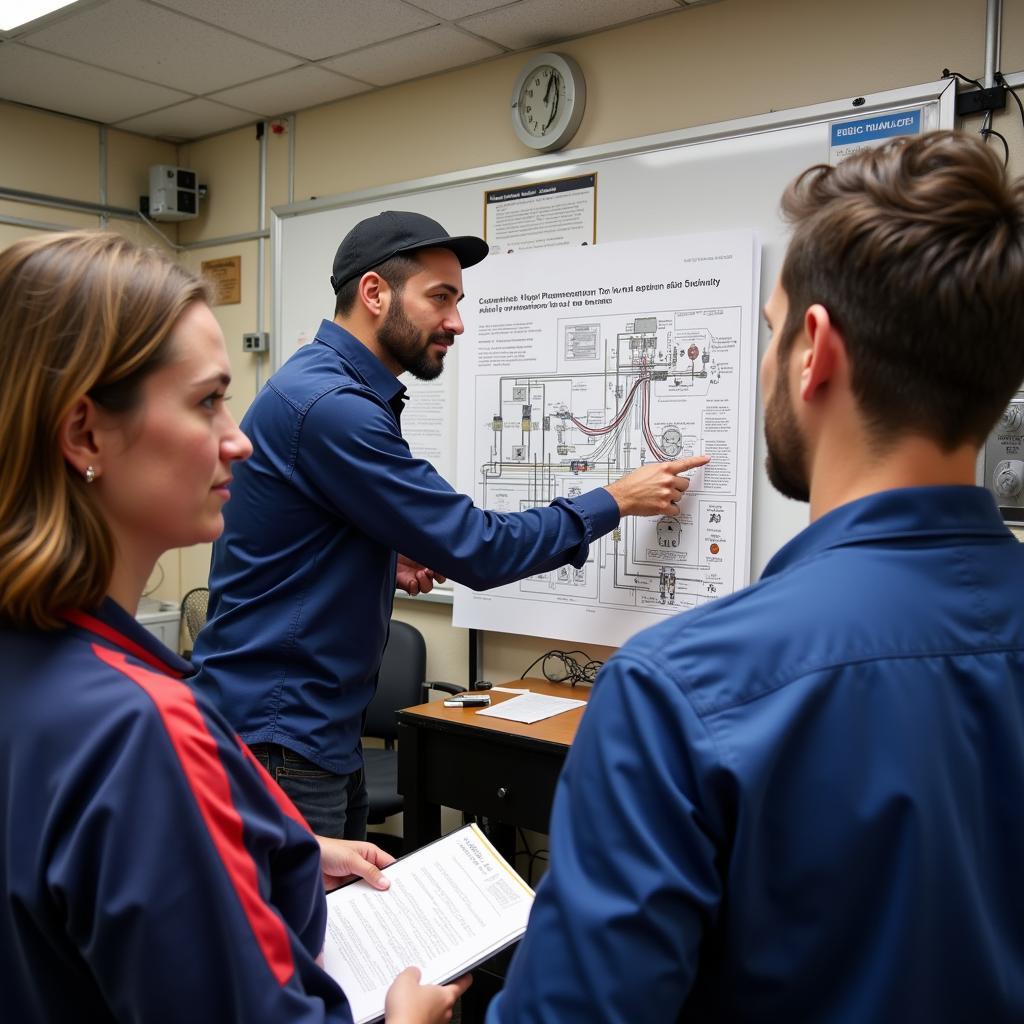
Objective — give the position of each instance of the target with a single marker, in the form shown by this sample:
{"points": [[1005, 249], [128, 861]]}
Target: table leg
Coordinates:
{"points": [[504, 838], [421, 819]]}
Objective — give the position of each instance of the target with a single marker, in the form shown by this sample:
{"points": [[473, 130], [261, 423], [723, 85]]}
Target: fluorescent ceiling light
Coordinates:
{"points": [[15, 13]]}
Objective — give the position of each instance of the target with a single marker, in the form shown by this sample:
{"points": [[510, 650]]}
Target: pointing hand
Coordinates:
{"points": [[654, 490]]}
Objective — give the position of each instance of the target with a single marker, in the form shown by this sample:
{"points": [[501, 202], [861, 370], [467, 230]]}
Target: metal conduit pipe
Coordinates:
{"points": [[36, 225], [260, 245], [291, 158], [18, 195], [104, 219], [209, 243], [993, 41], [15, 195]]}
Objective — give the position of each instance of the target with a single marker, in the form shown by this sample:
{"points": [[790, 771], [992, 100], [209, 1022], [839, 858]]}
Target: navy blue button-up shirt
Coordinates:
{"points": [[805, 801], [303, 578]]}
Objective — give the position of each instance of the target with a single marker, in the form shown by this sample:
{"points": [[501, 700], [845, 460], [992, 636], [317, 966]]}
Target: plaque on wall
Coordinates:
{"points": [[226, 277]]}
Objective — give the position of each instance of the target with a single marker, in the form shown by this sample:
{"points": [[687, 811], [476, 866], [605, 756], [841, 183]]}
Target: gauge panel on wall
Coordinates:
{"points": [[548, 101]]}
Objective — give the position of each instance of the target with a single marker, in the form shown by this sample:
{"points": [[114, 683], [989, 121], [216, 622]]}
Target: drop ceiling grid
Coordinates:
{"points": [[314, 29], [537, 22], [58, 83], [297, 89], [160, 46], [422, 53], [453, 10], [151, 65], [193, 119]]}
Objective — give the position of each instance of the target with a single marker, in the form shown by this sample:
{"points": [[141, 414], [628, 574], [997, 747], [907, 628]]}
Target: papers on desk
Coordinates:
{"points": [[531, 707], [451, 905]]}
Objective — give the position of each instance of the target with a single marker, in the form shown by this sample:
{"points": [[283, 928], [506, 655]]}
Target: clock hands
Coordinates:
{"points": [[554, 105], [547, 91]]}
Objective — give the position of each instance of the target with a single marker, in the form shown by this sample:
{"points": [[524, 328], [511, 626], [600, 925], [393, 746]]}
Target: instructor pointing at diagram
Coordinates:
{"points": [[333, 511]]}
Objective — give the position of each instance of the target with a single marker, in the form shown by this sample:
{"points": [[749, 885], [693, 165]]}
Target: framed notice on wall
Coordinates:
{"points": [[542, 214], [226, 277]]}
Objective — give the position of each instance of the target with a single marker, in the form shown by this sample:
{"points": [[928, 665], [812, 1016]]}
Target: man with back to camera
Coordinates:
{"points": [[802, 802], [303, 578]]}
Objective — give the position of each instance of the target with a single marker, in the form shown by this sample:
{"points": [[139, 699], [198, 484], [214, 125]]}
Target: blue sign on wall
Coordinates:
{"points": [[870, 129]]}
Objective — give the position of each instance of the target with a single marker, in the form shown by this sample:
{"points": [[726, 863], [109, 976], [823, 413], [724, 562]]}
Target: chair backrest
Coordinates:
{"points": [[400, 681], [193, 611]]}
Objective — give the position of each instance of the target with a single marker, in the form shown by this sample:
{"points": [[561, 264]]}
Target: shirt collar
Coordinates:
{"points": [[366, 365], [933, 512], [110, 622]]}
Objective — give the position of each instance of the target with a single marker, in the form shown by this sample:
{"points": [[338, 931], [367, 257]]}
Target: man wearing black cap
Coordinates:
{"points": [[333, 511]]}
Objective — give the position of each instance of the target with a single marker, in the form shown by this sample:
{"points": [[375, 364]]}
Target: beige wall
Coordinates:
{"points": [[731, 59], [52, 155], [60, 156]]}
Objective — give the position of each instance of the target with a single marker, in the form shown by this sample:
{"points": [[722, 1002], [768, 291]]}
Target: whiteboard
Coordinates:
{"points": [[718, 177]]}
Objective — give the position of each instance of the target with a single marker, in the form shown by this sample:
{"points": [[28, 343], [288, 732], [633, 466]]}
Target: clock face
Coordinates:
{"points": [[548, 100], [541, 97]]}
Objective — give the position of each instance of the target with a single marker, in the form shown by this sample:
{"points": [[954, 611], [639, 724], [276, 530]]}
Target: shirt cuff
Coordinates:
{"points": [[600, 511]]}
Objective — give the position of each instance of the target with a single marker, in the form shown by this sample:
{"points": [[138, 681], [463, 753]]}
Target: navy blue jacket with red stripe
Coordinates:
{"points": [[150, 870]]}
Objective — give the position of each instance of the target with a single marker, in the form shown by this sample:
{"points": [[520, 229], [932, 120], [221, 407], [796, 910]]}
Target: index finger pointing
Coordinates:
{"points": [[692, 462]]}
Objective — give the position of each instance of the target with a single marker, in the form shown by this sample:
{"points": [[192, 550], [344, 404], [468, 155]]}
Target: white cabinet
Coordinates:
{"points": [[162, 619]]}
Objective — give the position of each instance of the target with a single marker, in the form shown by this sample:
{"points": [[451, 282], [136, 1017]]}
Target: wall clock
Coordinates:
{"points": [[548, 101]]}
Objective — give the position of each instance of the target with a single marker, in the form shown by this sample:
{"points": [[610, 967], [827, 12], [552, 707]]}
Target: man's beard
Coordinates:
{"points": [[786, 461], [404, 342]]}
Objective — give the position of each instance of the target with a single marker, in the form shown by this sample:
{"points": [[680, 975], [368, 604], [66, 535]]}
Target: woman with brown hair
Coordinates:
{"points": [[150, 870]]}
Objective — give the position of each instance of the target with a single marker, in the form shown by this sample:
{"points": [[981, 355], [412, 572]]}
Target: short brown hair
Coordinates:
{"points": [[396, 271], [916, 249], [82, 313]]}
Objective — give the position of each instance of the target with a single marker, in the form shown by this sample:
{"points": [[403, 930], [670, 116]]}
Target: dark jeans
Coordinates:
{"points": [[335, 806]]}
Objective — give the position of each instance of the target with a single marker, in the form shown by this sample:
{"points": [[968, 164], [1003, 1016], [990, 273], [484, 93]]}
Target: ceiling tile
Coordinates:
{"points": [[56, 83], [187, 120], [290, 91], [422, 53], [313, 29], [453, 9], [535, 22], [41, 20], [161, 46]]}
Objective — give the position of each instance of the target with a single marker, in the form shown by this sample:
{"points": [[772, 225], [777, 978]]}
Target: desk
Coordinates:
{"points": [[503, 771]]}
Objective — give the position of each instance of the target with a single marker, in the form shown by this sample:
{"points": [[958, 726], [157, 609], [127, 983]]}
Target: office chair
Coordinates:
{"points": [[193, 615], [401, 683]]}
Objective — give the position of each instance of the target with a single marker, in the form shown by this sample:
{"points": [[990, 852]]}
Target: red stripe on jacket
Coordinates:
{"points": [[197, 752], [116, 637]]}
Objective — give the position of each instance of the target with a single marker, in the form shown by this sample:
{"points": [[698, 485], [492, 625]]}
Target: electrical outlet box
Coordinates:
{"points": [[256, 341], [976, 101], [1004, 461]]}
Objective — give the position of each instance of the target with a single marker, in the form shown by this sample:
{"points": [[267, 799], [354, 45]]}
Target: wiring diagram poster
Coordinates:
{"points": [[581, 366]]}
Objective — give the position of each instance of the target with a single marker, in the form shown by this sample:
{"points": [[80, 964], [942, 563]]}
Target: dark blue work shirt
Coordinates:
{"points": [[803, 802], [303, 578]]}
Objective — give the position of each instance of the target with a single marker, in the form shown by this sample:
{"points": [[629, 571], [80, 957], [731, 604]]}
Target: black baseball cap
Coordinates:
{"points": [[376, 239]]}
